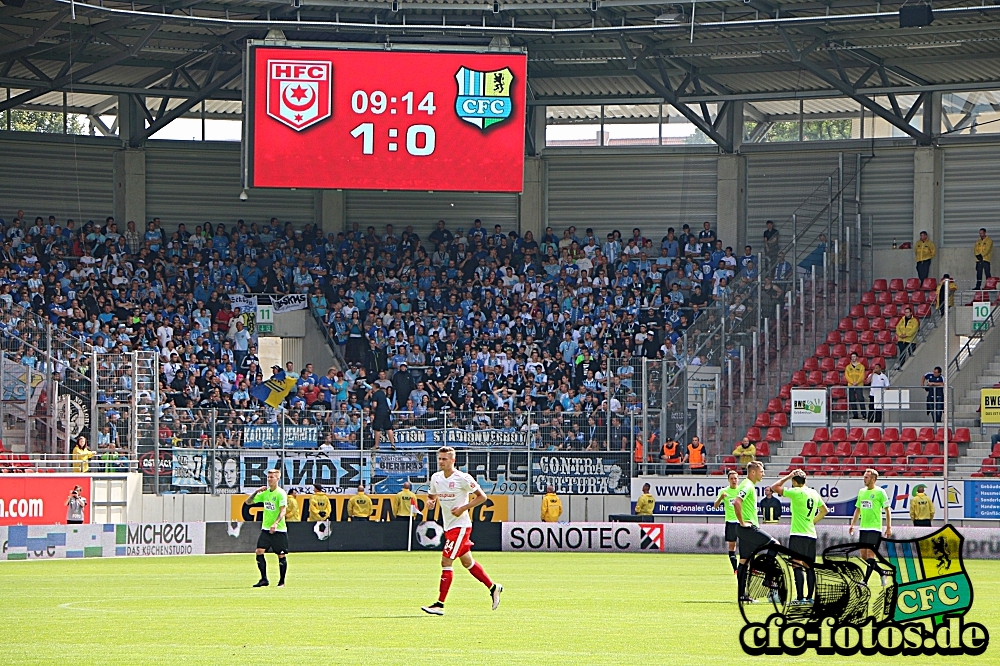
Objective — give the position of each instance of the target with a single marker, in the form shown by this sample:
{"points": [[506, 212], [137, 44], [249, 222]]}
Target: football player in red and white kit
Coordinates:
{"points": [[459, 494]]}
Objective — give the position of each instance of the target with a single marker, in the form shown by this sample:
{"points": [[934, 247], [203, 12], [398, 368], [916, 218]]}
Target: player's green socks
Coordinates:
{"points": [[282, 567], [262, 565], [733, 560]]}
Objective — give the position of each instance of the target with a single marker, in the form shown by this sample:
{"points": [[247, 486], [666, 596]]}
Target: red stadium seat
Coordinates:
{"points": [[952, 450], [831, 378], [962, 436], [810, 364], [932, 449], [822, 351], [890, 350], [838, 434], [896, 284], [857, 311], [912, 284], [846, 324], [908, 434], [891, 323], [914, 449], [850, 338], [828, 364], [753, 434], [929, 284], [843, 361], [773, 406], [814, 378], [883, 463], [779, 420], [896, 450], [808, 449], [992, 282], [862, 324], [773, 435], [813, 464], [826, 449], [885, 298], [872, 351], [872, 311], [855, 434], [763, 420], [878, 324], [797, 460], [939, 435], [839, 351], [798, 378], [925, 435], [879, 448], [872, 435], [867, 337], [916, 297], [831, 465], [833, 338], [900, 298], [821, 435], [879, 285], [786, 391], [860, 450], [843, 449], [868, 298], [866, 462], [856, 348], [881, 362], [890, 310], [729, 460], [763, 449], [884, 337], [923, 311], [995, 453], [838, 393]]}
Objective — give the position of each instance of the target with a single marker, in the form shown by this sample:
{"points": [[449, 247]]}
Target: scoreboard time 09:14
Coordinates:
{"points": [[420, 139]]}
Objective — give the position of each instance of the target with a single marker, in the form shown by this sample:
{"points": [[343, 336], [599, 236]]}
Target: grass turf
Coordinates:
{"points": [[363, 608]]}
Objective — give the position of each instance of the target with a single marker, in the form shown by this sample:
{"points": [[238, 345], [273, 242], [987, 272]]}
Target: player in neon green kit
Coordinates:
{"points": [[871, 504], [808, 509], [750, 536], [725, 498], [274, 533]]}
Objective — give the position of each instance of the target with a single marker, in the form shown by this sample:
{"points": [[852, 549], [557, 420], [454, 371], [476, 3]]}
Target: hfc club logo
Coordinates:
{"points": [[299, 92], [484, 97]]}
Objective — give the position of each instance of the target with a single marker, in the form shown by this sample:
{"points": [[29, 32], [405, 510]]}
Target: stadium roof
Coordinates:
{"points": [[843, 54]]}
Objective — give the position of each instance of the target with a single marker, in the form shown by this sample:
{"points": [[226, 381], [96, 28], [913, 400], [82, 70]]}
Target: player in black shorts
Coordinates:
{"points": [[749, 535]]}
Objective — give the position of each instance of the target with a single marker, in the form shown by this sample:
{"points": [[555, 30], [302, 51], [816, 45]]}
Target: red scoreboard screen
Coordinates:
{"points": [[334, 118]]}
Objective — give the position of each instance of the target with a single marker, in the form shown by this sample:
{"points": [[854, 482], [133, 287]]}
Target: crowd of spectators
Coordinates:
{"points": [[487, 325]]}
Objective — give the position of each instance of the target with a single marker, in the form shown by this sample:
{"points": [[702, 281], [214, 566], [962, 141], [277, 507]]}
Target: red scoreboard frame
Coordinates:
{"points": [[322, 117]]}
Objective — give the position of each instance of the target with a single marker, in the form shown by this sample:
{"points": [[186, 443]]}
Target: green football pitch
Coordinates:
{"points": [[364, 608]]}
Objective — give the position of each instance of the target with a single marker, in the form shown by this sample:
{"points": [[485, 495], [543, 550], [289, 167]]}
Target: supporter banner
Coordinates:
{"points": [[457, 437], [334, 471], [37, 499], [22, 385], [226, 473], [581, 473], [687, 496], [494, 511], [584, 537], [808, 407], [31, 542], [271, 436], [189, 468], [982, 500], [289, 303], [690, 538], [243, 302], [401, 464]]}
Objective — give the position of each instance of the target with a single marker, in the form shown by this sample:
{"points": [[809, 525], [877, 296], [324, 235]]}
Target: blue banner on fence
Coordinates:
{"points": [[581, 473], [417, 438], [270, 437]]}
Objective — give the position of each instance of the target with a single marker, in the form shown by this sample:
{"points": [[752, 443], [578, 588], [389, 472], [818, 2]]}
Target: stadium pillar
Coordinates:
{"points": [[927, 196], [130, 187], [532, 201], [330, 211], [731, 208]]}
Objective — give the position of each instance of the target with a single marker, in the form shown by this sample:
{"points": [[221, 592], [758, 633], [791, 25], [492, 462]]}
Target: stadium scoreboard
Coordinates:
{"points": [[329, 116]]}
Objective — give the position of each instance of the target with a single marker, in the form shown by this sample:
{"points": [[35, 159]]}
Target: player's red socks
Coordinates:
{"points": [[446, 575], [477, 570]]}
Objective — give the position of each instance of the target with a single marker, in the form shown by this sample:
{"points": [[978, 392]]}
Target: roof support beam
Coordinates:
{"points": [[650, 80], [206, 90], [29, 42], [60, 81]]}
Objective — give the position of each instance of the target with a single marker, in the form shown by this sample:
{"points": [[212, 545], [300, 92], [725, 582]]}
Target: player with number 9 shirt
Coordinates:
{"points": [[808, 509], [458, 494]]}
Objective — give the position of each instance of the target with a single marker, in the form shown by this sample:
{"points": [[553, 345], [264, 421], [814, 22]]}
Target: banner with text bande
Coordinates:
{"points": [[289, 303], [687, 496], [584, 537]]}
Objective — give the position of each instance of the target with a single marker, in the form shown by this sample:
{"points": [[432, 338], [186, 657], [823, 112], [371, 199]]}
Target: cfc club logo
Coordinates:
{"points": [[484, 97], [299, 92]]}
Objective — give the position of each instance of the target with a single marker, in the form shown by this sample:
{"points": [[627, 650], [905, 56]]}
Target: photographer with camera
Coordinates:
{"points": [[75, 504]]}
